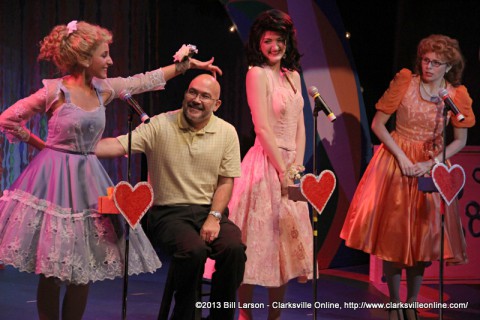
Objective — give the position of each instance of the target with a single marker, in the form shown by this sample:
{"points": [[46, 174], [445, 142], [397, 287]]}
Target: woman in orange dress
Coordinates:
{"points": [[389, 217]]}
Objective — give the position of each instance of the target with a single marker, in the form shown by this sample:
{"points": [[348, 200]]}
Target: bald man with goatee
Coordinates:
{"points": [[193, 157]]}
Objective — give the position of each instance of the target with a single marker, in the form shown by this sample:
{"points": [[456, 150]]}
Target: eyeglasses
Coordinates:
{"points": [[435, 63], [204, 97]]}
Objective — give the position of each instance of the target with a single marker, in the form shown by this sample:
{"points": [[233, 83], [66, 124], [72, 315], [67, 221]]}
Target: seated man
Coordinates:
{"points": [[193, 157]]}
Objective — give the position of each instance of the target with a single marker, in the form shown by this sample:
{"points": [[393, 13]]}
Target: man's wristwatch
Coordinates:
{"points": [[216, 214]]}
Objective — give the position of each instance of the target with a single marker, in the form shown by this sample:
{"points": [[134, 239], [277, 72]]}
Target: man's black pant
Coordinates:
{"points": [[176, 229]]}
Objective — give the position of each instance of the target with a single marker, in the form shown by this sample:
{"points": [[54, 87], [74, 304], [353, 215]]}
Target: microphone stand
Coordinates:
{"points": [[430, 187], [315, 212], [442, 213], [127, 226]]}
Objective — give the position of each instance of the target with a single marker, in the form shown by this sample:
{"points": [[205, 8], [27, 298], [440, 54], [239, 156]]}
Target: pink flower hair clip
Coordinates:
{"points": [[72, 26]]}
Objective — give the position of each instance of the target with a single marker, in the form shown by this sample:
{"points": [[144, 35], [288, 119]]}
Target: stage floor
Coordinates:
{"points": [[339, 290]]}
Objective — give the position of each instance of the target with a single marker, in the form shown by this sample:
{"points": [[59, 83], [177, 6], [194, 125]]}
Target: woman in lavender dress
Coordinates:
{"points": [[49, 224]]}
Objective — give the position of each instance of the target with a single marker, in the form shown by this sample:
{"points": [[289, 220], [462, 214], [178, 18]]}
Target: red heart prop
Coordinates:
{"points": [[449, 181], [318, 190], [133, 203]]}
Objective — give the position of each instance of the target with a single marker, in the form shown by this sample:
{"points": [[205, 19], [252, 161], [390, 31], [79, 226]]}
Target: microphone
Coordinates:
{"points": [[313, 92], [449, 103], [126, 96]]}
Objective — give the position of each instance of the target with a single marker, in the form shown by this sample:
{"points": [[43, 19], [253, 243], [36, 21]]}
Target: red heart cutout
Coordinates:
{"points": [[449, 181], [133, 203], [318, 190]]}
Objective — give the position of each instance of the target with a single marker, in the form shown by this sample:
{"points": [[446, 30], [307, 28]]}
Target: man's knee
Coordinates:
{"points": [[237, 248], [232, 242], [199, 253], [234, 249], [194, 254]]}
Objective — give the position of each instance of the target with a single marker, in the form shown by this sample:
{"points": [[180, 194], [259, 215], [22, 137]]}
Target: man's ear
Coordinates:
{"points": [[217, 105]]}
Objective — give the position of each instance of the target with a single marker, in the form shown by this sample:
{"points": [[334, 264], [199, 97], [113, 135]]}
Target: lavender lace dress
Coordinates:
{"points": [[48, 219]]}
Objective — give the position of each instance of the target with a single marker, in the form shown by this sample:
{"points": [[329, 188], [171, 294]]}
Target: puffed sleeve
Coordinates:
{"points": [[464, 104], [391, 99], [13, 120], [142, 82]]}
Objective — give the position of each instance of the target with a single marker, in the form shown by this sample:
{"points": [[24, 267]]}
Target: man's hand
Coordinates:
{"points": [[210, 229]]}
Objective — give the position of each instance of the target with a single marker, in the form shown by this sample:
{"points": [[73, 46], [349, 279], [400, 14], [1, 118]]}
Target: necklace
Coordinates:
{"points": [[426, 93]]}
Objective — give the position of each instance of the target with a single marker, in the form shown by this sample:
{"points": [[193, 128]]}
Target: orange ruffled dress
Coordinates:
{"points": [[389, 217]]}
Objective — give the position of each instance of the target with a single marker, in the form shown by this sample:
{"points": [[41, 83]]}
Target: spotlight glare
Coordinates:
{"points": [[348, 35], [232, 28]]}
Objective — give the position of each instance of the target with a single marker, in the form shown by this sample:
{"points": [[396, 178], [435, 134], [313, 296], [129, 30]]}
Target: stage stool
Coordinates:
{"points": [[169, 290]]}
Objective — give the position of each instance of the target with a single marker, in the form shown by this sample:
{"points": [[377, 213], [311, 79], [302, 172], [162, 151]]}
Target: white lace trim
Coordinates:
{"points": [[155, 79], [46, 206], [18, 132]]}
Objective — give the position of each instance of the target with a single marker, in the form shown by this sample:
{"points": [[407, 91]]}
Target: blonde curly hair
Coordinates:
{"points": [[66, 49]]}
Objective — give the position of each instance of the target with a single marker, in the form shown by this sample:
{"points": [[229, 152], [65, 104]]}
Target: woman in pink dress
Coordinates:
{"points": [[389, 217], [277, 231]]}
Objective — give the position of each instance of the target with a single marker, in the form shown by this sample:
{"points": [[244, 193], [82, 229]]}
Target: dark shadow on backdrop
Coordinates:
{"points": [[146, 35], [384, 37]]}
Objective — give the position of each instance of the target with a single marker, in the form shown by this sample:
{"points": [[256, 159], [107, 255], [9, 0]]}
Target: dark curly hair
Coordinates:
{"points": [[276, 21], [448, 49]]}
